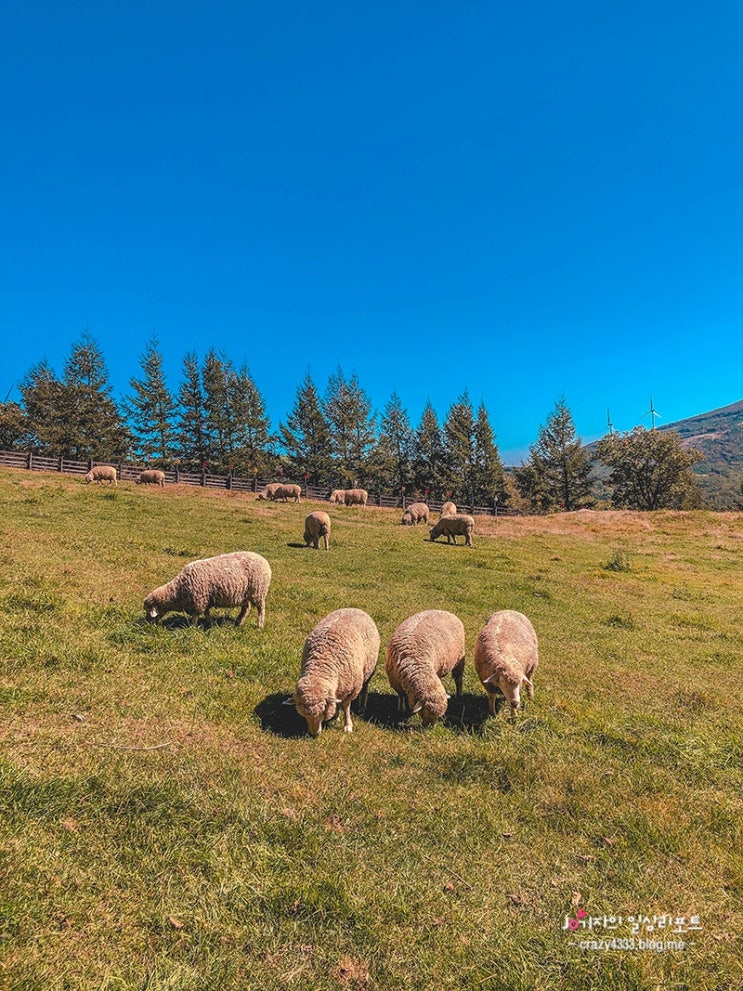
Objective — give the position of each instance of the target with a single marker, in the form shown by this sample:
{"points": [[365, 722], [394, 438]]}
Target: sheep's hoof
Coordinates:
{"points": [[348, 729]]}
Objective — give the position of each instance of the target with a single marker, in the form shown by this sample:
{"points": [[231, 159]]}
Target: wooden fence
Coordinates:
{"points": [[233, 483]]}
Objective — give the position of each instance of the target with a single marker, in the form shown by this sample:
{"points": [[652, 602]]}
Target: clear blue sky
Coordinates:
{"points": [[522, 200]]}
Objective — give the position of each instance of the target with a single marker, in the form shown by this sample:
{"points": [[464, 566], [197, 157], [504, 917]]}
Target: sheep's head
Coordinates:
{"points": [[431, 708], [407, 518], [315, 704], [153, 608]]}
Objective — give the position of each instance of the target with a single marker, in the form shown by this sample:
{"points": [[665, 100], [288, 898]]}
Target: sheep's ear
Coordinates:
{"points": [[289, 701], [490, 679], [448, 695], [527, 681], [418, 708], [337, 701]]}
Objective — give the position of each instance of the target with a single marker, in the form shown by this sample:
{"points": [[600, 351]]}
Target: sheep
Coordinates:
{"points": [[416, 512], [448, 509], [151, 477], [287, 492], [338, 660], [355, 497], [337, 496], [506, 657], [238, 579], [453, 526], [268, 491], [422, 650], [317, 525], [102, 473]]}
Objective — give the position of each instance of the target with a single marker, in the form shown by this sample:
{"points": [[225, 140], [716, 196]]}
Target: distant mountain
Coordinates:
{"points": [[718, 436]]}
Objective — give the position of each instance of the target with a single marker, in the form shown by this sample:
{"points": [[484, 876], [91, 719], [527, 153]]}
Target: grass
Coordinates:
{"points": [[166, 825]]}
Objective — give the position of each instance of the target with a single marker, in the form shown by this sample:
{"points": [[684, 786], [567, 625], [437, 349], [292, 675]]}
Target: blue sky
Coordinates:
{"points": [[526, 201]]}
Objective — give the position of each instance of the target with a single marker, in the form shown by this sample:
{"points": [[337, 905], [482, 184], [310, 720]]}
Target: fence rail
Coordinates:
{"points": [[131, 472]]}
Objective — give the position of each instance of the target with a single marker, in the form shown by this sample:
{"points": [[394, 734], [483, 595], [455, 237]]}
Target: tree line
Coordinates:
{"points": [[217, 420]]}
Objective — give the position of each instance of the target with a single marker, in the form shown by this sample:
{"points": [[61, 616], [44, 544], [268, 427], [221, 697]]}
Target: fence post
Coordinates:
{"points": [[203, 478], [61, 465], [30, 461]]}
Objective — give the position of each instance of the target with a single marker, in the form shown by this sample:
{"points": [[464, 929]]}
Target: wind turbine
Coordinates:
{"points": [[609, 423], [652, 413]]}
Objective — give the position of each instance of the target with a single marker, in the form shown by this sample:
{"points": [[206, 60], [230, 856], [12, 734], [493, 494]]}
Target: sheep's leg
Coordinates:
{"points": [[261, 614], [402, 702], [458, 675], [243, 613], [362, 696], [346, 706]]}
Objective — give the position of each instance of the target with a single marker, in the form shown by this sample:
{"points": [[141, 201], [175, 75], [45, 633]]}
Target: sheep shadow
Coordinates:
{"points": [[466, 714], [282, 720], [296, 544], [180, 622]]}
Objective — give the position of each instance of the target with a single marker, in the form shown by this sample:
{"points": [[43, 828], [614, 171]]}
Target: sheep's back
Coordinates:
{"points": [[343, 645], [433, 638], [507, 642]]}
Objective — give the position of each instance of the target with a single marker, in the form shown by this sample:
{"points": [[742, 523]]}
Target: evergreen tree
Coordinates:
{"points": [[192, 445], [459, 437], [349, 414], [558, 473], [393, 455], [251, 425], [49, 422], [12, 426], [306, 436], [488, 473], [650, 470], [430, 462], [96, 427], [217, 378], [151, 410]]}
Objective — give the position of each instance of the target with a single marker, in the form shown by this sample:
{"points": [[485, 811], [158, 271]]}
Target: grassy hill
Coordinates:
{"points": [[165, 823], [718, 435]]}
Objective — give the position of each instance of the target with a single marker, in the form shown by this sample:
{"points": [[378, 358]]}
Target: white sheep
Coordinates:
{"points": [[454, 526], [416, 512], [287, 492], [227, 580], [423, 649], [317, 525], [268, 491], [448, 509], [338, 660], [506, 657], [102, 473], [151, 477], [355, 497]]}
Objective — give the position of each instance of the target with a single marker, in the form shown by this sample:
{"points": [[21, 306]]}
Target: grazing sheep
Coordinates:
{"points": [[317, 525], [506, 657], [337, 496], [238, 579], [454, 526], [338, 660], [355, 497], [151, 477], [268, 491], [416, 512], [102, 473], [287, 492], [422, 650], [448, 509]]}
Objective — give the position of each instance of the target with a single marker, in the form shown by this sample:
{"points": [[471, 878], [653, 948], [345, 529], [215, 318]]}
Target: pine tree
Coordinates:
{"points": [[558, 473], [349, 414], [393, 455], [151, 410], [192, 443], [217, 375], [459, 437], [251, 425], [43, 399], [13, 426], [97, 428], [306, 436], [430, 462], [488, 473]]}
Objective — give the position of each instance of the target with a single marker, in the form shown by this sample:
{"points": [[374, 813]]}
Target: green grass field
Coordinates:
{"points": [[165, 822]]}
